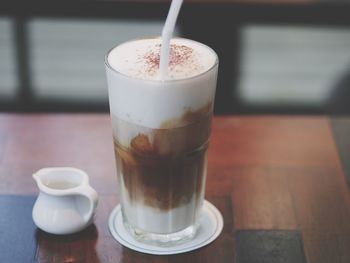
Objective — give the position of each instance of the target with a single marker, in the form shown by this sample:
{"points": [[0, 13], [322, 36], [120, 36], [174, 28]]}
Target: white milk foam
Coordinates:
{"points": [[140, 58], [138, 96]]}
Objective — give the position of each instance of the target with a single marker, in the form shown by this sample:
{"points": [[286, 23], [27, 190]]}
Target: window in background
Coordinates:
{"points": [[8, 71], [292, 66], [67, 56]]}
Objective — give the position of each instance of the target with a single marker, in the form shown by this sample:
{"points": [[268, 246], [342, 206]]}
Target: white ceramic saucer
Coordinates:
{"points": [[210, 227]]}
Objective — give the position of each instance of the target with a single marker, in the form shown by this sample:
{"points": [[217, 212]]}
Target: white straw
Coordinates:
{"points": [[167, 33]]}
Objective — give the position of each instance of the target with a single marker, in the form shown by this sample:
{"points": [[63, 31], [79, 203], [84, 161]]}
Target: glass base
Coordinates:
{"points": [[163, 240]]}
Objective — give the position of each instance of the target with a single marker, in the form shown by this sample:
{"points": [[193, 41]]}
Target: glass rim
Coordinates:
{"points": [[216, 62]]}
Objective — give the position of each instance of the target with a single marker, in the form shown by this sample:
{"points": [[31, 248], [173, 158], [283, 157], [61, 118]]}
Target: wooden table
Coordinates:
{"points": [[278, 181]]}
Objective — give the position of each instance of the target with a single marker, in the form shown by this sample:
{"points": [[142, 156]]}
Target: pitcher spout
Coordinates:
{"points": [[36, 178], [39, 177]]}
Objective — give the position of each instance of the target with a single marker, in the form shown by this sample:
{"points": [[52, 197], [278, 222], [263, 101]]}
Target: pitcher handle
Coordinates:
{"points": [[90, 193]]}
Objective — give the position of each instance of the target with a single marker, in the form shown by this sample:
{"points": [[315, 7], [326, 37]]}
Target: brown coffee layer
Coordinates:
{"points": [[166, 168], [160, 182]]}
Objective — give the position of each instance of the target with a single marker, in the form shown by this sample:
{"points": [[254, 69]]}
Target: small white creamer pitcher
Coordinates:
{"points": [[66, 203]]}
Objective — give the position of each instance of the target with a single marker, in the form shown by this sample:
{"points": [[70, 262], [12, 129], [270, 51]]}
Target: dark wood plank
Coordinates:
{"points": [[17, 230], [261, 199], [277, 246], [272, 141], [321, 200], [260, 196], [341, 130]]}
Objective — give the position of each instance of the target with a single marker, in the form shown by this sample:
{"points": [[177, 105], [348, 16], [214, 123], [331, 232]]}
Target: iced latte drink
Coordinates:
{"points": [[161, 133]]}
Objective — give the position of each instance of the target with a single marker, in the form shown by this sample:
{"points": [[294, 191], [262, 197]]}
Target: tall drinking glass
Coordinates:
{"points": [[161, 134]]}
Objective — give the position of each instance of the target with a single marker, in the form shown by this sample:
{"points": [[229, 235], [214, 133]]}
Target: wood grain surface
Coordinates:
{"points": [[278, 181]]}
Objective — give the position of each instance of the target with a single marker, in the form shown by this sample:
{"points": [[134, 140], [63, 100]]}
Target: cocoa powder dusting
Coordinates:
{"points": [[179, 54]]}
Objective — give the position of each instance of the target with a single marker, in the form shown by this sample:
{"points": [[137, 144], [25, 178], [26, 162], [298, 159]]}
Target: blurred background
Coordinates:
{"points": [[276, 56]]}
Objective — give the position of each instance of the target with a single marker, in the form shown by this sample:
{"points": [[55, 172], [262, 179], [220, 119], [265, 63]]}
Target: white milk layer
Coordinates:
{"points": [[138, 96], [161, 222]]}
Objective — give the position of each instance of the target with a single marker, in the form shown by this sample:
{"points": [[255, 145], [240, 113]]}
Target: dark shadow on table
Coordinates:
{"points": [[79, 247]]}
